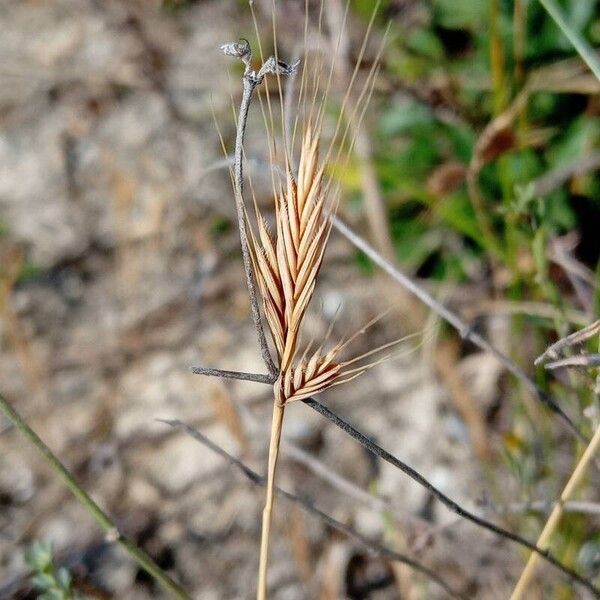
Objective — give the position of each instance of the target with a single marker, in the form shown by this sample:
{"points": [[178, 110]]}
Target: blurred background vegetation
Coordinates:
{"points": [[484, 139]]}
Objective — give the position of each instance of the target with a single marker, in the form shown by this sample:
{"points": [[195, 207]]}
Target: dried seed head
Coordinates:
{"points": [[239, 49], [286, 266], [278, 67]]}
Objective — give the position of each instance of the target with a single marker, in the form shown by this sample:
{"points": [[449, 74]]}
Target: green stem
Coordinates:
{"points": [[497, 58], [143, 560]]}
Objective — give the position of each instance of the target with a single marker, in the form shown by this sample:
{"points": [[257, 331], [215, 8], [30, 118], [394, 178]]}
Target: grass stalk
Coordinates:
{"points": [[250, 83], [555, 516], [267, 516], [103, 520], [497, 58]]}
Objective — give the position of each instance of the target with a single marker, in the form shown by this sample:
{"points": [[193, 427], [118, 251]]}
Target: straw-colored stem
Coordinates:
{"points": [[278, 410], [555, 515], [143, 560]]}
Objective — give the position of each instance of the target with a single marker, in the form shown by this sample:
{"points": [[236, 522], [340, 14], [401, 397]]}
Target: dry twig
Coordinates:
{"points": [[463, 328], [556, 514], [587, 457]]}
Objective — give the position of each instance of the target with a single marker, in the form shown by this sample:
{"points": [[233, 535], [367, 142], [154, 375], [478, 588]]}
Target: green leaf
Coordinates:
{"points": [[43, 581], [461, 14], [457, 211], [569, 28], [39, 556], [425, 43], [53, 595], [64, 578], [405, 117]]}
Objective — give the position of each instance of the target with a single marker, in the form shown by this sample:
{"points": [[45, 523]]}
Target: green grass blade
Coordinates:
{"points": [[583, 48]]}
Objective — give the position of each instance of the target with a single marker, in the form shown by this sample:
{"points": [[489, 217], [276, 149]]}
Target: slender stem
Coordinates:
{"points": [[445, 500], [576, 338], [439, 495], [278, 410], [556, 514], [463, 328], [250, 83], [546, 506], [143, 560], [496, 57]]}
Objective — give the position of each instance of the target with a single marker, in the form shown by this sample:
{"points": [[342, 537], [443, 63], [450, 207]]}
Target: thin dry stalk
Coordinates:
{"points": [[546, 535], [543, 542], [286, 269]]}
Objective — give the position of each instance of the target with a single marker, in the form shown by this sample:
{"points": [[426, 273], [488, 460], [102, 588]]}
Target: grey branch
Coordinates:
{"points": [[250, 81], [554, 179], [256, 377], [463, 328], [582, 361], [546, 506], [369, 544], [576, 338], [453, 506]]}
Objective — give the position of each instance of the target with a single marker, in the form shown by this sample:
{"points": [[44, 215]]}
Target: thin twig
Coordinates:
{"points": [[587, 54], [461, 326], [583, 361], [250, 81], [112, 532], [423, 528], [554, 179], [256, 377], [574, 339], [369, 544], [529, 308], [556, 514], [546, 506], [465, 332], [339, 482]]}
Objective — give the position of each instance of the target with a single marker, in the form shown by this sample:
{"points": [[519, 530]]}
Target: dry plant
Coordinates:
{"points": [[285, 267]]}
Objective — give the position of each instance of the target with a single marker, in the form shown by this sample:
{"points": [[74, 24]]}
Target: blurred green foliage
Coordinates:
{"points": [[457, 65], [51, 582]]}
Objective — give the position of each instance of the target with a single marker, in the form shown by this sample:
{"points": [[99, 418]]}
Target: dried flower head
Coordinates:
{"points": [[287, 265]]}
